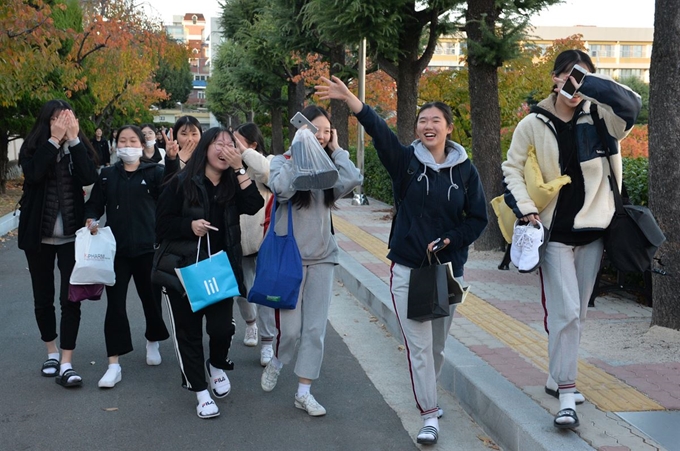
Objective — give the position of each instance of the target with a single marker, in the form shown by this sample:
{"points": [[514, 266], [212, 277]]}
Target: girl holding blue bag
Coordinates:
{"points": [[313, 232], [207, 196]]}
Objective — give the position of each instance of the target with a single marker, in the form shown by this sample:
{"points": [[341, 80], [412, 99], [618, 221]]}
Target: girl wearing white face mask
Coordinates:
{"points": [[152, 153], [128, 191]]}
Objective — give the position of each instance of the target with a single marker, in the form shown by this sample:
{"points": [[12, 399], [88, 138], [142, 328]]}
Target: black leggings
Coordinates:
{"points": [[41, 267]]}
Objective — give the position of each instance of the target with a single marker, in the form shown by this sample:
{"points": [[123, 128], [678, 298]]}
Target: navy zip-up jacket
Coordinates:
{"points": [[434, 204]]}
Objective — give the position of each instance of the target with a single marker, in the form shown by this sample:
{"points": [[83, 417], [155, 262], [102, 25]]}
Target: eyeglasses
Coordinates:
{"points": [[223, 144]]}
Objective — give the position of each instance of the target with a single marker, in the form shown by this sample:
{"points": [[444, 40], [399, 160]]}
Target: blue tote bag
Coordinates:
{"points": [[209, 281], [278, 273]]}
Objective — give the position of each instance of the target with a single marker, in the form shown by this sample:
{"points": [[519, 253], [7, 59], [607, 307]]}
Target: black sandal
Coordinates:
{"points": [[63, 379], [50, 364], [566, 413], [427, 435]]}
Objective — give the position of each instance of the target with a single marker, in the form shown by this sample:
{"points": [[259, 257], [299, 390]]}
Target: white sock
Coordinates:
{"points": [[63, 367], [432, 422], [53, 355], [276, 363], [303, 389], [203, 396], [114, 366], [551, 384], [567, 401]]}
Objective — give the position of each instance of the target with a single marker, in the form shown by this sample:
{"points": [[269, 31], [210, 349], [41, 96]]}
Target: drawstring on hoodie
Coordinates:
{"points": [[453, 185], [427, 180]]}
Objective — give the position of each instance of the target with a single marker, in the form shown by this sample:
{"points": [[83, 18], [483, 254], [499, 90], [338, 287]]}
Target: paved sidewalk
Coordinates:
{"points": [[496, 362]]}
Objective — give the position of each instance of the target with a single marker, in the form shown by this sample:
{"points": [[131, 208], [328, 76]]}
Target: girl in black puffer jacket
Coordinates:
{"points": [[57, 161]]}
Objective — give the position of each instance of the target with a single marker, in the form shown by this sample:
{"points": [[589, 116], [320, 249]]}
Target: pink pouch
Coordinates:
{"points": [[77, 293]]}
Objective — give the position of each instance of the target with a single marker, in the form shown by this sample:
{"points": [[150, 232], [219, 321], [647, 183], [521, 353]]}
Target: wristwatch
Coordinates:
{"points": [[240, 171]]}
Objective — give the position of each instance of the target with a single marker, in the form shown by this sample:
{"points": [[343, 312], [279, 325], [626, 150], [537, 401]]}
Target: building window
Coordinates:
{"points": [[194, 19], [605, 71], [462, 47], [601, 50], [631, 51], [630, 73], [543, 48], [200, 95]]}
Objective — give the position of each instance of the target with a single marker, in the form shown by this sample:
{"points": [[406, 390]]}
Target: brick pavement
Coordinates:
{"points": [[502, 323]]}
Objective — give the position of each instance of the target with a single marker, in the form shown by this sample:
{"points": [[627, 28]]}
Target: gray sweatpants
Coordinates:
{"points": [[568, 277], [424, 342], [306, 324], [266, 325]]}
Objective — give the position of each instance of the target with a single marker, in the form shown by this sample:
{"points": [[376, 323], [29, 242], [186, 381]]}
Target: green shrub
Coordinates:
{"points": [[377, 182], [636, 179]]}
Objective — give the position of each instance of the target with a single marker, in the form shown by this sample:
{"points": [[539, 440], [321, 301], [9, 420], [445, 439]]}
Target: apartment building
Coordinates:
{"points": [[617, 52], [190, 29]]}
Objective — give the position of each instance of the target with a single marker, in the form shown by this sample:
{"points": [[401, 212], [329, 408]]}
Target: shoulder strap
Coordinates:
{"points": [[602, 133]]}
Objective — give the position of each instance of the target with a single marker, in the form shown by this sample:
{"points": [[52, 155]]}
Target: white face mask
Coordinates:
{"points": [[151, 143], [129, 154]]}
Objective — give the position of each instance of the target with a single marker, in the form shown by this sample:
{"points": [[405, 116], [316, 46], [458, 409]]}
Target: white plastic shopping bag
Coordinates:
{"points": [[94, 257], [313, 167]]}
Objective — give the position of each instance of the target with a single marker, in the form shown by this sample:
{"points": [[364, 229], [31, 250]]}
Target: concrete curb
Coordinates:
{"points": [[511, 417], [8, 223]]}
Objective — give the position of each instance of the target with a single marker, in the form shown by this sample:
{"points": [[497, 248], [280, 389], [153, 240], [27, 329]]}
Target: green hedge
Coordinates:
{"points": [[636, 179]]}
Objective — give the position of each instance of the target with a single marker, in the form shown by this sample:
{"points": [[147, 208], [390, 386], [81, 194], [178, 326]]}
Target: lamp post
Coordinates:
{"points": [[359, 197]]}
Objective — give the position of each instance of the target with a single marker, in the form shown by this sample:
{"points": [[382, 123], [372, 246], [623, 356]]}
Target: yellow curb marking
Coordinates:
{"points": [[599, 387]]}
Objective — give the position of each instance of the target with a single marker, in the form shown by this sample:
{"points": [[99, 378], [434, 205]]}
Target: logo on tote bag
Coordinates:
{"points": [[211, 286]]}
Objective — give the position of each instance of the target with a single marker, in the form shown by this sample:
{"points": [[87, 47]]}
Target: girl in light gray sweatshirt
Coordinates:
{"points": [[313, 232]]}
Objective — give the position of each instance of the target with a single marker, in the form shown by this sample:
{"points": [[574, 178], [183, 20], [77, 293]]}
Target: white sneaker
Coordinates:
{"points": [[111, 378], [266, 354], [250, 338], [311, 405], [526, 240], [153, 355], [270, 377]]}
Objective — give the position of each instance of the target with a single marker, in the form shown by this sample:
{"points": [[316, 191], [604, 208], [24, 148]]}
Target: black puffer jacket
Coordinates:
{"points": [[174, 217], [49, 186]]}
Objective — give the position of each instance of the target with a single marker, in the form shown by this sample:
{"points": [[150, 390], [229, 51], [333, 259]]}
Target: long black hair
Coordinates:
{"points": [[302, 199], [251, 132], [226, 189], [41, 131]]}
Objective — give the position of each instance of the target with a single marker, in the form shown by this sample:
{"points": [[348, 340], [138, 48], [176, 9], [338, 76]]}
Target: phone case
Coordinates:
{"points": [[569, 90], [299, 120]]}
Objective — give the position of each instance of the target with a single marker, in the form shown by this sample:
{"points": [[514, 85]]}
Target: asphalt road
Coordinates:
{"points": [[363, 385]]}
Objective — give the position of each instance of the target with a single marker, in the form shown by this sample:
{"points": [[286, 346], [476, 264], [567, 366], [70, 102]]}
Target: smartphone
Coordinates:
{"points": [[568, 90], [438, 245], [299, 120]]}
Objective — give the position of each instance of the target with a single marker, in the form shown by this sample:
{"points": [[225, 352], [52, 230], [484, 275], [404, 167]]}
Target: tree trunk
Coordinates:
{"points": [[407, 101], [296, 102], [339, 109], [4, 160], [485, 116], [277, 125], [664, 153]]}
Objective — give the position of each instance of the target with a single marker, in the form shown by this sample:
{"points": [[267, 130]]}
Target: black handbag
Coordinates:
{"points": [[633, 236], [428, 292], [171, 255]]}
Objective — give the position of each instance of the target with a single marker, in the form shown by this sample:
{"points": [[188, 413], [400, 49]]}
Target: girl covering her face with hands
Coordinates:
{"points": [[207, 197], [57, 162], [443, 201]]}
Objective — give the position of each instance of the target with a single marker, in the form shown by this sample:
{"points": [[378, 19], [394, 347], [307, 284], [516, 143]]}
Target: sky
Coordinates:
{"points": [[602, 13]]}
